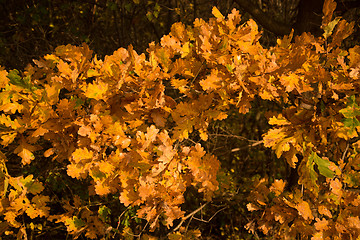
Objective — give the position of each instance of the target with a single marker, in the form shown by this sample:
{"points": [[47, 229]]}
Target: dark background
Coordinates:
{"points": [[32, 28]]}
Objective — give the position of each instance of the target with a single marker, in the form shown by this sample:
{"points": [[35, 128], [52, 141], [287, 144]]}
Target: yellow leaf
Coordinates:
{"points": [[217, 13], [96, 90], [273, 137], [280, 120], [52, 92], [180, 84], [26, 156], [82, 153], [203, 135], [290, 81], [185, 50]]}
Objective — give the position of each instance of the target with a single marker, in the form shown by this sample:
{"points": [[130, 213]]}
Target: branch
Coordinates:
{"points": [[266, 21], [188, 216]]}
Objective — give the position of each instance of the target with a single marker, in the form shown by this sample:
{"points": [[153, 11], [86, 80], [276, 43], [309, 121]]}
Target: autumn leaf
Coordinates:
{"points": [[324, 211], [321, 225], [74, 223], [74, 171], [251, 207], [277, 186], [31, 212], [323, 165], [82, 154], [180, 84], [96, 90], [354, 222], [3, 78], [328, 29], [49, 152], [328, 9], [217, 13], [104, 212], [185, 50], [280, 120], [304, 210], [25, 151], [336, 187], [39, 202], [290, 81], [211, 82], [100, 189]]}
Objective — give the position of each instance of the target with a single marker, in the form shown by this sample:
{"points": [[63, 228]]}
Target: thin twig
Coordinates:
{"points": [[188, 216], [248, 146], [233, 136], [207, 221], [344, 153]]}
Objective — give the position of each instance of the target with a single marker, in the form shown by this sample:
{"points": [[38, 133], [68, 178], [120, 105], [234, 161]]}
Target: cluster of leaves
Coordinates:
{"points": [[122, 126]]}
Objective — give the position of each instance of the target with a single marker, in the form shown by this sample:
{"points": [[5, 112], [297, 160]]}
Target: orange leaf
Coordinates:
{"points": [[84, 131], [321, 225], [211, 82], [3, 79], [336, 187], [354, 222], [328, 9], [277, 187], [49, 152], [24, 151], [324, 211], [73, 171], [304, 210], [100, 189]]}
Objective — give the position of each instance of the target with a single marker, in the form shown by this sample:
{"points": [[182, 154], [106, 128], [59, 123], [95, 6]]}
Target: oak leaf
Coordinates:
{"points": [[304, 210], [321, 225], [82, 154], [100, 189], [277, 186], [96, 90]]}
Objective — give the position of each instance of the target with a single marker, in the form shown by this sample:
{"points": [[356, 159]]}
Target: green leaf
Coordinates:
{"points": [[14, 77], [330, 27], [323, 165], [76, 222], [310, 164], [104, 212]]}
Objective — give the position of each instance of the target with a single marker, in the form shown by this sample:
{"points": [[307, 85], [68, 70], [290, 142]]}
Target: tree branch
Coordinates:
{"points": [[263, 19]]}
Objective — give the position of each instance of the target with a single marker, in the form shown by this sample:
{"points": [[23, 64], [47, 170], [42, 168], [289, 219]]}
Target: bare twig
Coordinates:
{"points": [[207, 221], [233, 136], [188, 216], [251, 145]]}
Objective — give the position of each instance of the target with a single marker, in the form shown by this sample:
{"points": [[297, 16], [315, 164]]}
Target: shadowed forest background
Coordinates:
{"points": [[31, 29]]}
